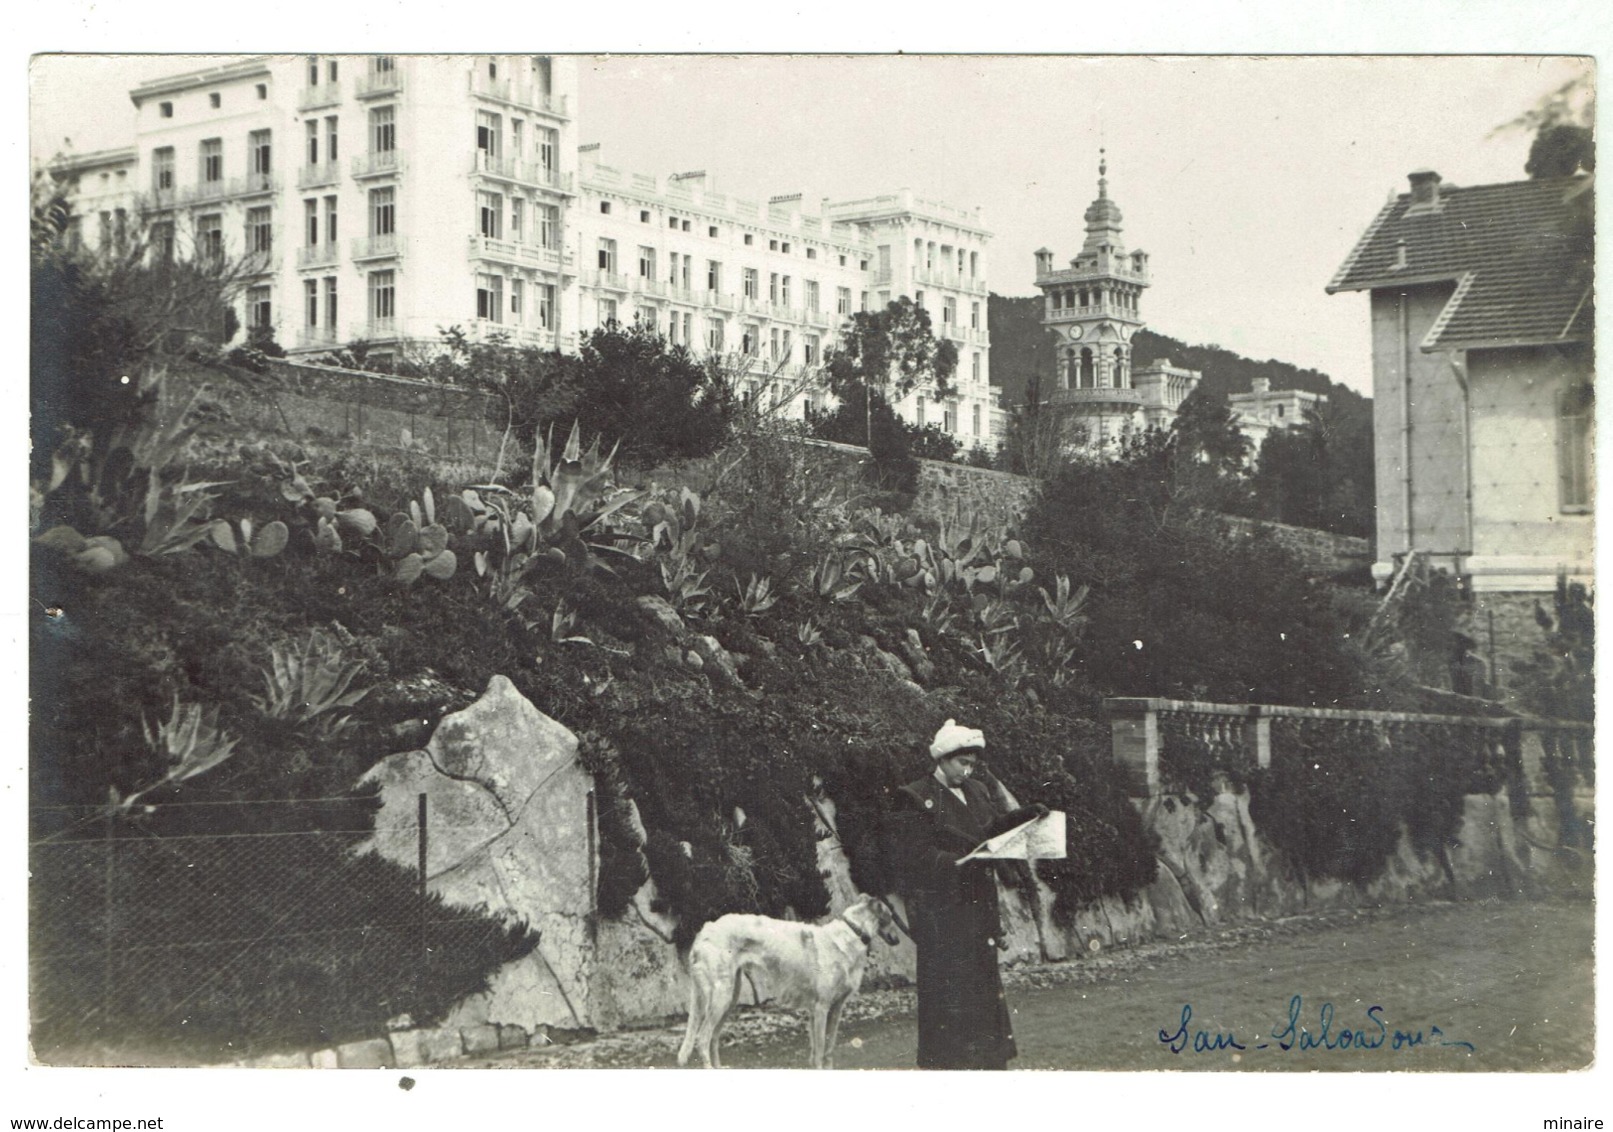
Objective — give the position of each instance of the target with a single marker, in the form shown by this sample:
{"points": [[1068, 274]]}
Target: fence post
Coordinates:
{"points": [[1257, 737], [425, 952], [109, 917]]}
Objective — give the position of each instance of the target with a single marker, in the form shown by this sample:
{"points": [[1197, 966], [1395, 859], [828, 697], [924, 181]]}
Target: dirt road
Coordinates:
{"points": [[1489, 986]]}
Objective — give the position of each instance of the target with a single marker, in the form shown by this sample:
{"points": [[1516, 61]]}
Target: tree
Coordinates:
{"points": [[893, 351], [1563, 123], [1320, 475]]}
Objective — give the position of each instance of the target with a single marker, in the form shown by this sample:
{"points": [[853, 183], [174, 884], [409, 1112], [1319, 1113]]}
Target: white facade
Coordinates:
{"points": [[1263, 409], [384, 199]]}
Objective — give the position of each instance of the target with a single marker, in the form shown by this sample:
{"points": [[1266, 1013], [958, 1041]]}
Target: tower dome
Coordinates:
{"points": [[1103, 217]]}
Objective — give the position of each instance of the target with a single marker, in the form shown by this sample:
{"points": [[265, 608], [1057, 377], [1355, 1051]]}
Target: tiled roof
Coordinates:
{"points": [[1521, 254]]}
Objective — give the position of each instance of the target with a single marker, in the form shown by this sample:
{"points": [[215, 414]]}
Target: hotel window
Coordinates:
{"points": [[974, 414], [548, 225], [772, 245], [607, 312], [260, 230], [490, 208], [517, 138], [313, 70], [750, 340], [212, 154], [330, 220], [646, 263], [383, 64], [383, 296], [162, 169], [681, 267], [749, 239], [918, 299], [383, 129], [330, 303], [383, 212], [949, 311], [974, 316], [842, 300], [1576, 412], [974, 365], [688, 328], [310, 302], [784, 290], [684, 225], [772, 287], [918, 411], [517, 295], [259, 141], [785, 247], [949, 418], [714, 335], [546, 305], [812, 295], [210, 235], [776, 343], [548, 145], [751, 281], [162, 241], [644, 318], [259, 310], [862, 265], [842, 261], [604, 207], [215, 100], [166, 109], [517, 219], [812, 253], [489, 133], [490, 297], [713, 275], [862, 301], [974, 264], [672, 223], [310, 213], [643, 216], [607, 255], [712, 231], [311, 128], [809, 349], [330, 139]]}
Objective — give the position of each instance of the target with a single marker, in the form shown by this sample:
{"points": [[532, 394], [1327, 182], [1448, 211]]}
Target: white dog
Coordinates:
{"points": [[812, 966]]}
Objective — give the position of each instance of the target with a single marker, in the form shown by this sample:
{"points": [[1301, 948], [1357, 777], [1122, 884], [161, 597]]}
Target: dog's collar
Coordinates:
{"points": [[868, 940]]}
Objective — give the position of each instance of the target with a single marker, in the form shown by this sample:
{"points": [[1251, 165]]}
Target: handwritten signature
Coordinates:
{"points": [[1330, 1034]]}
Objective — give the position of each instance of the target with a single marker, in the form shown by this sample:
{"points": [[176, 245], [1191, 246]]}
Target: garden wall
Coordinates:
{"points": [[507, 773]]}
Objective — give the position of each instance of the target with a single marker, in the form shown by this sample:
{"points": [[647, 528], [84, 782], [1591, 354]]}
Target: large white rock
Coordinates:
{"points": [[507, 831]]}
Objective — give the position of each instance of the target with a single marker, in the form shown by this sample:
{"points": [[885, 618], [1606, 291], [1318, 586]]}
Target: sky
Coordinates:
{"points": [[1246, 179]]}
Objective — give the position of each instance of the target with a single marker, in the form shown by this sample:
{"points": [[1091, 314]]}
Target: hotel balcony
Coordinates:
{"points": [[818, 318], [205, 192], [317, 176], [317, 338], [318, 97], [378, 84], [319, 255], [515, 252], [379, 330], [1072, 314], [607, 280], [381, 164], [522, 94], [377, 247], [518, 334], [520, 172]]}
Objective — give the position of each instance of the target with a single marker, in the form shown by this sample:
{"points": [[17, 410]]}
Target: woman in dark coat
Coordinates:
{"points": [[963, 1018]]}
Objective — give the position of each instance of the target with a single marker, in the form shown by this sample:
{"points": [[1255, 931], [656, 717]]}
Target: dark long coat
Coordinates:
{"points": [[963, 1018]]}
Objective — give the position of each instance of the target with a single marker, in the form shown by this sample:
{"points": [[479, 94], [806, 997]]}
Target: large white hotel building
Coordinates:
{"points": [[385, 198]]}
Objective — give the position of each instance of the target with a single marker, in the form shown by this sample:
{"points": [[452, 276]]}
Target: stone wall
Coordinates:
{"points": [[329, 410], [1320, 552]]}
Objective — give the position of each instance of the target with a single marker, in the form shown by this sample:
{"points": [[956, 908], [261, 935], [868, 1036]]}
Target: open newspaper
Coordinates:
{"points": [[1036, 839]]}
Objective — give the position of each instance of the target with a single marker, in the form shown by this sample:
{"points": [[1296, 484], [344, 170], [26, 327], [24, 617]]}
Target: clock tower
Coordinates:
{"points": [[1094, 308]]}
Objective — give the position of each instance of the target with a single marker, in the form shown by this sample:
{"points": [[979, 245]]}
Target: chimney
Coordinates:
{"points": [[1424, 188]]}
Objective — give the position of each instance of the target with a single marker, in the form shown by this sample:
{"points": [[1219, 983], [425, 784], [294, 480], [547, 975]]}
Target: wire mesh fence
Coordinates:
{"points": [[152, 942]]}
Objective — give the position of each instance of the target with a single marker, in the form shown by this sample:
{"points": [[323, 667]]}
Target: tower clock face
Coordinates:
{"points": [[1075, 332]]}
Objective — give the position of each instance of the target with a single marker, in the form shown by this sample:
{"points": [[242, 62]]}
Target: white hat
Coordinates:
{"points": [[952, 738]]}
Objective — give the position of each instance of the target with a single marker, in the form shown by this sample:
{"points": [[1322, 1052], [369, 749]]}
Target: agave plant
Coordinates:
{"points": [[573, 491], [312, 683], [756, 596], [189, 741]]}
